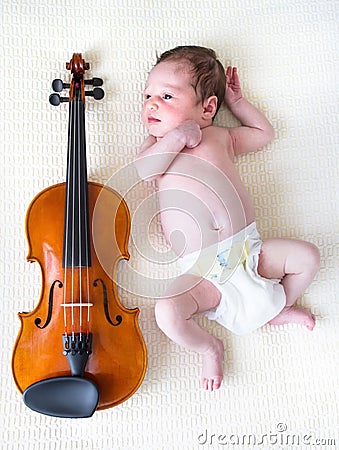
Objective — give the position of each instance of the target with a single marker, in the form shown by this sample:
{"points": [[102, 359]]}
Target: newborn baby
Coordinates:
{"points": [[207, 215]]}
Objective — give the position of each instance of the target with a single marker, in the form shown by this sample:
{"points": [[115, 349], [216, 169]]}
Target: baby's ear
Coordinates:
{"points": [[210, 105]]}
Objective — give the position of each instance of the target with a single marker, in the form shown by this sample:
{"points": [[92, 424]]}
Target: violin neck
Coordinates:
{"points": [[76, 246]]}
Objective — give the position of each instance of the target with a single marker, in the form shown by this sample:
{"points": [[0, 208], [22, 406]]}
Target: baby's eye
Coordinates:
{"points": [[168, 96], [147, 96]]}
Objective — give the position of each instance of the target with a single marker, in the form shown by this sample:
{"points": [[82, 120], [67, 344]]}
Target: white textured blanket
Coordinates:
{"points": [[281, 385]]}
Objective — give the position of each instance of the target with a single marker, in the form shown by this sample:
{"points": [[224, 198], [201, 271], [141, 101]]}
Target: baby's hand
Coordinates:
{"points": [[191, 133], [233, 90]]}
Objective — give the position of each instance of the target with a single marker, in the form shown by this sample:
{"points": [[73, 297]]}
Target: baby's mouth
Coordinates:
{"points": [[152, 119]]}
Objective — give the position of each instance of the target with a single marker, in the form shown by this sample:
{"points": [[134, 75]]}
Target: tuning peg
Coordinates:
{"points": [[58, 85], [55, 99], [97, 93], [94, 82]]}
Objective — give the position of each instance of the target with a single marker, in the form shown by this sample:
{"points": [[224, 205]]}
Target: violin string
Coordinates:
{"points": [[83, 186], [87, 245], [73, 217], [78, 159], [67, 209]]}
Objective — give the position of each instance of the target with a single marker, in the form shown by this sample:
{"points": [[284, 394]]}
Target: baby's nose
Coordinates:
{"points": [[152, 104]]}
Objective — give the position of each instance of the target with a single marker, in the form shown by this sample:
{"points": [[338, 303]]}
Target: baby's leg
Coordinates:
{"points": [[187, 296], [296, 262]]}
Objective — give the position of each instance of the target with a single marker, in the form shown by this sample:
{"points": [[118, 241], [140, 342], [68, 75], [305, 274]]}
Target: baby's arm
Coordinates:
{"points": [[162, 152], [256, 131]]}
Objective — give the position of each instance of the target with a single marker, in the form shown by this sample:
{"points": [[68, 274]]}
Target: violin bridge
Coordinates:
{"points": [[71, 305]]}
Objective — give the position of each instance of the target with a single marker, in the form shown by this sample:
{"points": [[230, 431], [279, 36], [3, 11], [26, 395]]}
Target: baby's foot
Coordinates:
{"points": [[292, 314], [212, 373]]}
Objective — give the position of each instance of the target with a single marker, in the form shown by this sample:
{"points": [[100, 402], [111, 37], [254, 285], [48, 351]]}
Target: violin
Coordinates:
{"points": [[80, 350]]}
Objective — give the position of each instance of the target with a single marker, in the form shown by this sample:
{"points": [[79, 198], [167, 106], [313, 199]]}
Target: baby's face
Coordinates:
{"points": [[169, 98]]}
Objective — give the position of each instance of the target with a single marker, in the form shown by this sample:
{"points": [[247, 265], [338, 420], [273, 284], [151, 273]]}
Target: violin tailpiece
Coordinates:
{"points": [[77, 348]]}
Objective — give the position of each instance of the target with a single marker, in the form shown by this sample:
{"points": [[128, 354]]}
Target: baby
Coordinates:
{"points": [[207, 215]]}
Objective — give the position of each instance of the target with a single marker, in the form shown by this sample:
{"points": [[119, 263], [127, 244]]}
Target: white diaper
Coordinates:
{"points": [[248, 300]]}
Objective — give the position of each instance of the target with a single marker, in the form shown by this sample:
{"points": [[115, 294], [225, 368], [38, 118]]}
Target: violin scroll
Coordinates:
{"points": [[77, 65]]}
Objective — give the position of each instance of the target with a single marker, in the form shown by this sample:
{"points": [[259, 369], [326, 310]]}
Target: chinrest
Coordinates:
{"points": [[71, 397]]}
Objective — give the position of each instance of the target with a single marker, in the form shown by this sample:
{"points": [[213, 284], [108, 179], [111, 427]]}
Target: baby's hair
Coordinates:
{"points": [[208, 72]]}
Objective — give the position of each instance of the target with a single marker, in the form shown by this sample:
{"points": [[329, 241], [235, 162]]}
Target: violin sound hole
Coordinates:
{"points": [[118, 318], [50, 306]]}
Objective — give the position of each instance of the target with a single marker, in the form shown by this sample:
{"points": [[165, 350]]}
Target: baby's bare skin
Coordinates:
{"points": [[203, 201]]}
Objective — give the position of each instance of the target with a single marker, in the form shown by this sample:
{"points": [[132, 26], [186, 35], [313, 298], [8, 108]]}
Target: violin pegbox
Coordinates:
{"points": [[77, 66]]}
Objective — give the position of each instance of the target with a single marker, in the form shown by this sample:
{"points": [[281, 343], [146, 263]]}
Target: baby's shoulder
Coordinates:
{"points": [[216, 132], [218, 137]]}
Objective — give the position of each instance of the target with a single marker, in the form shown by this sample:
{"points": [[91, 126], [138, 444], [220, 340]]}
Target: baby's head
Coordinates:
{"points": [[208, 74]]}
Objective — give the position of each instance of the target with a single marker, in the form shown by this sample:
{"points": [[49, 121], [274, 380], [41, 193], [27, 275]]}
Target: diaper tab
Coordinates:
{"points": [[228, 260], [222, 257]]}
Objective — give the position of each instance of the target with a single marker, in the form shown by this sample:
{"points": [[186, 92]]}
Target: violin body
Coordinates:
{"points": [[79, 326], [121, 369]]}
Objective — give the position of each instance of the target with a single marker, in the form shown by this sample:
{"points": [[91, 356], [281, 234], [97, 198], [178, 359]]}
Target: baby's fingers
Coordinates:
{"points": [[235, 77], [232, 76], [229, 72]]}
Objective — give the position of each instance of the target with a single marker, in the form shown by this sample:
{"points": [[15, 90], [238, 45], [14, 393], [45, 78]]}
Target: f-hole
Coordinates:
{"points": [[50, 306], [118, 318]]}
